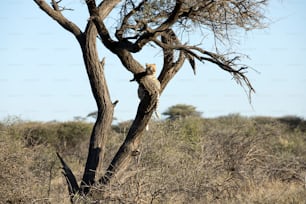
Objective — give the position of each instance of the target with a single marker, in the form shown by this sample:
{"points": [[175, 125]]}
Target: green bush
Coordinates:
{"points": [[33, 133], [62, 136], [190, 130], [71, 134], [291, 121]]}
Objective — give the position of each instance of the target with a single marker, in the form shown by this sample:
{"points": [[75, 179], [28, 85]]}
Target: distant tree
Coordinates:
{"points": [[79, 118], [93, 115], [181, 111], [163, 23]]}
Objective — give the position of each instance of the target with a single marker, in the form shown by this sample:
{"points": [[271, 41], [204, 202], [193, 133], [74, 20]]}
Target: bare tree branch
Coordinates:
{"points": [[125, 24], [218, 16], [56, 7], [105, 7], [223, 15], [152, 34], [72, 184], [221, 61], [56, 14]]}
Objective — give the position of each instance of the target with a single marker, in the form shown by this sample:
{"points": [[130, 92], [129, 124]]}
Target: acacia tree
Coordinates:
{"points": [[179, 111], [141, 22]]}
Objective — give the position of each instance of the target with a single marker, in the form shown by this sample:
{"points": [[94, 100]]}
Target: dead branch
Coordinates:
{"points": [[221, 61], [73, 187], [56, 15], [56, 7]]}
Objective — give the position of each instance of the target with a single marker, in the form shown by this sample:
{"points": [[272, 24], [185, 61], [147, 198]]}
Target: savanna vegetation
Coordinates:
{"points": [[230, 159]]}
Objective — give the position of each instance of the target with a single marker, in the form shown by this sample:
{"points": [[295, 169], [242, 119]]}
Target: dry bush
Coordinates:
{"points": [[25, 173], [65, 137], [230, 159], [30, 170]]}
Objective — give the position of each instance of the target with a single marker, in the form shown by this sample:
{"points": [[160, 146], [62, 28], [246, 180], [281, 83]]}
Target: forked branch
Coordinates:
{"points": [[56, 14]]}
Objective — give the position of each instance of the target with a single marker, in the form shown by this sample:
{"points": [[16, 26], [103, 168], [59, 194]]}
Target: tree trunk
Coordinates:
{"points": [[95, 71], [129, 148]]}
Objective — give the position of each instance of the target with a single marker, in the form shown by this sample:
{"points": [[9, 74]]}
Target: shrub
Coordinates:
{"points": [[230, 159], [71, 134], [292, 122], [63, 136], [180, 111]]}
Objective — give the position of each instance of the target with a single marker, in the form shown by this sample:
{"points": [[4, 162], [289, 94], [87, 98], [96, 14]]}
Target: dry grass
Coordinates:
{"points": [[230, 159]]}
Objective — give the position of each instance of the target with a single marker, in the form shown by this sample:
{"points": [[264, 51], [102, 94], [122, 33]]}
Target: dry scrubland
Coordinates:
{"points": [[229, 159]]}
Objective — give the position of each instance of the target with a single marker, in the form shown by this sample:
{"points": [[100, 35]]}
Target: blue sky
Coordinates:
{"points": [[42, 76]]}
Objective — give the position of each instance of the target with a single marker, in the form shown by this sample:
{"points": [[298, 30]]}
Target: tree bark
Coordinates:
{"points": [[95, 72], [129, 148]]}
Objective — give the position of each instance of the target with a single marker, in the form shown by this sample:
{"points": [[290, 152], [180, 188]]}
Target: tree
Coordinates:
{"points": [[143, 22], [181, 111]]}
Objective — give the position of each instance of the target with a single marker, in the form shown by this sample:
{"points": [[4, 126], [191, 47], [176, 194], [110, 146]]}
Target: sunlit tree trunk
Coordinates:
{"points": [[95, 72]]}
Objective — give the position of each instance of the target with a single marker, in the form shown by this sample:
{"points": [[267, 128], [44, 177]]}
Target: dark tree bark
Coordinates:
{"points": [[95, 72]]}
